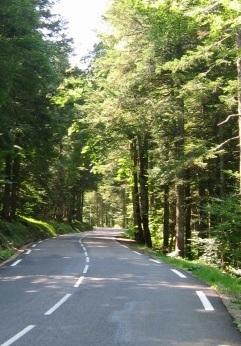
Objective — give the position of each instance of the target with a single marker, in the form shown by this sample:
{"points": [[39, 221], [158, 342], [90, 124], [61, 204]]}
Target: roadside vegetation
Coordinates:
{"points": [[42, 174]]}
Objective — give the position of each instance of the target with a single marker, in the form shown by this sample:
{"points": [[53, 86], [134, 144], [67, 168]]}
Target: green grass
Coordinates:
{"points": [[44, 228], [5, 254]]}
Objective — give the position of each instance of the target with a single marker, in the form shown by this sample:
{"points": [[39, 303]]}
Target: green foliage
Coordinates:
{"points": [[226, 230]]}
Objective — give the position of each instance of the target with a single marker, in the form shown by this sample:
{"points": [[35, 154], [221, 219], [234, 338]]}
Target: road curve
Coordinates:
{"points": [[88, 289]]}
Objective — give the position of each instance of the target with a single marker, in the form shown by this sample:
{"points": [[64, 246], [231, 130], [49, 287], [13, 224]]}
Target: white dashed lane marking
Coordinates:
{"points": [[18, 336], [181, 275], [28, 252], [155, 261], [138, 253], [58, 304], [85, 269], [205, 302], [79, 282], [15, 263]]}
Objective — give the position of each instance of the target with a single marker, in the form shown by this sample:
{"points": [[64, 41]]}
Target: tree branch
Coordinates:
{"points": [[225, 142], [227, 119]]}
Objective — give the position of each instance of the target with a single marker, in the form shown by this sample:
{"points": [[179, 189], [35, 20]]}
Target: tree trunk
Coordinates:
{"points": [[180, 187], [172, 225], [180, 199], [202, 224], [144, 193], [166, 217], [139, 236], [239, 99], [188, 218], [123, 207], [15, 186], [80, 205], [6, 208], [72, 200]]}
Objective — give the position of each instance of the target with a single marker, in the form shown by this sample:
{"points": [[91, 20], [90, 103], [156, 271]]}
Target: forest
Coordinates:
{"points": [[147, 137]]}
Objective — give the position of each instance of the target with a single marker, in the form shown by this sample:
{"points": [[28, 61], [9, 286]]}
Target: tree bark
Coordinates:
{"points": [[188, 218], [239, 99], [166, 217], [202, 224], [15, 186], [123, 207], [180, 187], [143, 181], [80, 205], [6, 201], [139, 236]]}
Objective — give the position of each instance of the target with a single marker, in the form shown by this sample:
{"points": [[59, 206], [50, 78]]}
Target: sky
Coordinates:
{"points": [[84, 19]]}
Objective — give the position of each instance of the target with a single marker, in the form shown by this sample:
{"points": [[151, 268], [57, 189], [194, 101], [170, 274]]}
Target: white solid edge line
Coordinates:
{"points": [[179, 273], [138, 253], [205, 302], [15, 263], [28, 252], [85, 269], [79, 282], [155, 261], [87, 259], [57, 305], [18, 336]]}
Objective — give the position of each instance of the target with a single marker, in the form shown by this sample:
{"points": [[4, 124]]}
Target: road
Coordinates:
{"points": [[88, 289]]}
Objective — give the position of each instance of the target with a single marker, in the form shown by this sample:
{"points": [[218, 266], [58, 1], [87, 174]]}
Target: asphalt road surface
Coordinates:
{"points": [[88, 289]]}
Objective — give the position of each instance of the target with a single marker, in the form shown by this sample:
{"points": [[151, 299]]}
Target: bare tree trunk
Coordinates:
{"points": [[144, 193], [180, 188], [239, 98], [180, 199], [166, 217], [188, 218], [202, 224], [80, 205], [172, 225], [139, 236], [15, 186], [71, 209], [123, 207], [6, 208]]}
